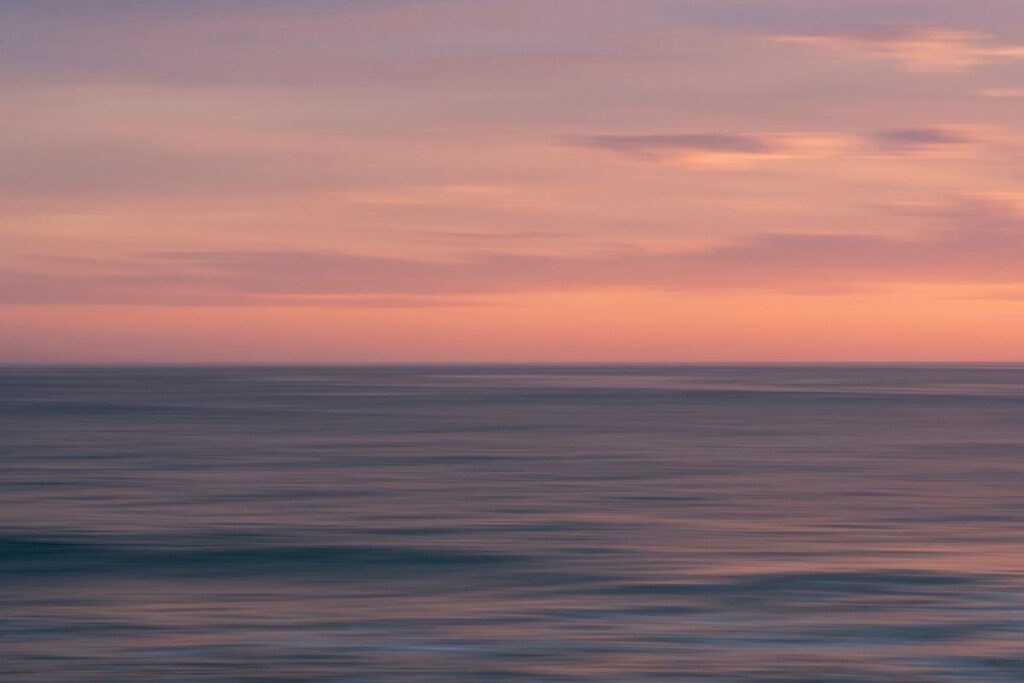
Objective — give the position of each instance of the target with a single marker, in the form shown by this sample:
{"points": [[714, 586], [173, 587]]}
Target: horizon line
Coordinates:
{"points": [[410, 364]]}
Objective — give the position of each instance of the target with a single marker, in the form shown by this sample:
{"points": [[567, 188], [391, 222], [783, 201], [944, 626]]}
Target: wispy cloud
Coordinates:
{"points": [[927, 141], [717, 150], [975, 240], [916, 48], [713, 150]]}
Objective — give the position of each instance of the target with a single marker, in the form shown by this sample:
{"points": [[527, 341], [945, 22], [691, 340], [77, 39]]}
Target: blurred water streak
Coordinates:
{"points": [[732, 524]]}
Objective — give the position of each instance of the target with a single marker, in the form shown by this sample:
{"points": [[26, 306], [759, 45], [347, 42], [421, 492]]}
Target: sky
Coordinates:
{"points": [[511, 181]]}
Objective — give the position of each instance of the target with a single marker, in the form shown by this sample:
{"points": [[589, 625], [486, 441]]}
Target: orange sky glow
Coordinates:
{"points": [[511, 181]]}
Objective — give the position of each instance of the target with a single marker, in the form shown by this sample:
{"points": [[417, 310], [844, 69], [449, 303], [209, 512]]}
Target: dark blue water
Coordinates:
{"points": [[821, 524]]}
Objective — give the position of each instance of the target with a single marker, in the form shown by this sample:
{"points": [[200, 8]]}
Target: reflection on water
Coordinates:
{"points": [[725, 524]]}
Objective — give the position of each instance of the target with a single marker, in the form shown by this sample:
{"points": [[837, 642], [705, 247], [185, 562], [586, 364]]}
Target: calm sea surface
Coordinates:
{"points": [[769, 524]]}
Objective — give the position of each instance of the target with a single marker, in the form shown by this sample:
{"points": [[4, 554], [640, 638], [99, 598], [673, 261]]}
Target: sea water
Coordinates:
{"points": [[725, 524]]}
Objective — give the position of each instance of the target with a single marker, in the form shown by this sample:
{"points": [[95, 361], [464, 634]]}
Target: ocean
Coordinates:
{"points": [[479, 524]]}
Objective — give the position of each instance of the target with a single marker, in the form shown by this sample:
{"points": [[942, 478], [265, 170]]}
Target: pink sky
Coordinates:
{"points": [[568, 180]]}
